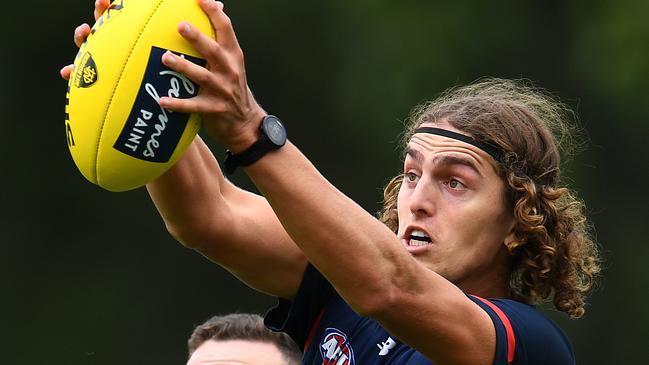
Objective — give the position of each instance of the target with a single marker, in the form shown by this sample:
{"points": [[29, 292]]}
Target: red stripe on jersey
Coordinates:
{"points": [[314, 326], [511, 340]]}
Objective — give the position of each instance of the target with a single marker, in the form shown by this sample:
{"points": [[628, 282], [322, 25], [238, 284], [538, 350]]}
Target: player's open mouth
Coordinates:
{"points": [[418, 238]]}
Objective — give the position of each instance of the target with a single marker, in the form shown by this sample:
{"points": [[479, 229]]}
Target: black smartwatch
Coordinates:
{"points": [[272, 136]]}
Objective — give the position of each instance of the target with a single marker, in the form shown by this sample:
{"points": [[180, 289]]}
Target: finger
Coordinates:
{"points": [[194, 72], [100, 7], [81, 33], [221, 23], [197, 104], [66, 71], [205, 45]]}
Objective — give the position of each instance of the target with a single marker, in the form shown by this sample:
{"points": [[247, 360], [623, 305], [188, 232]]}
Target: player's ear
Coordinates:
{"points": [[511, 241]]}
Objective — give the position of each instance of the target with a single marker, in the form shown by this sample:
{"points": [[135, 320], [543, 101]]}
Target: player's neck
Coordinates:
{"points": [[492, 282]]}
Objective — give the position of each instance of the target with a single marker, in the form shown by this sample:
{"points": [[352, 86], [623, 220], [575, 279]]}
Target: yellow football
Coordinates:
{"points": [[119, 136]]}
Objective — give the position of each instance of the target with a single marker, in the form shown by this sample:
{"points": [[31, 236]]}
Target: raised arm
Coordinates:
{"points": [[232, 227], [204, 211], [363, 259]]}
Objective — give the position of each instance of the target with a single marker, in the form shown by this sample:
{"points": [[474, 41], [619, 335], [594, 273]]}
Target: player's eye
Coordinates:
{"points": [[456, 185], [411, 176]]}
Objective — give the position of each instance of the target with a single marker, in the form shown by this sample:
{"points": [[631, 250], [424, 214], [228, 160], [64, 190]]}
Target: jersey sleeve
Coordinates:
{"points": [[297, 317], [524, 335]]}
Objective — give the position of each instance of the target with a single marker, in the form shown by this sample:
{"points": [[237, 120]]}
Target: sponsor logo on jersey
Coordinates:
{"points": [[151, 133], [335, 348], [386, 346]]}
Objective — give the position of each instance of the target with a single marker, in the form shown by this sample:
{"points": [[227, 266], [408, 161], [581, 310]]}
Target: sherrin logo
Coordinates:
{"points": [[68, 129], [335, 348]]}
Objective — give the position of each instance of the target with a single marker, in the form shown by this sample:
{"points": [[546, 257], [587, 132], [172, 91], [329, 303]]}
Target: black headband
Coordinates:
{"points": [[492, 150]]}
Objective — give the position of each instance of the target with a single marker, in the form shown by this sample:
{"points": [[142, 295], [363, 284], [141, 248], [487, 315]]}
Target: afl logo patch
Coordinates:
{"points": [[335, 348]]}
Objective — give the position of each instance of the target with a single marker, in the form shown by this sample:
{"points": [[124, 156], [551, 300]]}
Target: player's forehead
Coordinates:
{"points": [[426, 147], [244, 352]]}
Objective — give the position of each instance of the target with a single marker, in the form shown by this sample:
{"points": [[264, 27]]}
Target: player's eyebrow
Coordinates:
{"points": [[450, 160], [443, 160], [415, 154]]}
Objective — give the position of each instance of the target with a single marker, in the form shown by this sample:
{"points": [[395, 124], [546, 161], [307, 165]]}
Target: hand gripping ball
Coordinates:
{"points": [[118, 135]]}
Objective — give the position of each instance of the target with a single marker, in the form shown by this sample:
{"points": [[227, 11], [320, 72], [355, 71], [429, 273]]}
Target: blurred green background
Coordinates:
{"points": [[92, 277]]}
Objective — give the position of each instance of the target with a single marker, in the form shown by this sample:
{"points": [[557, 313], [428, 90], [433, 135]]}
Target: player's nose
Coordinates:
{"points": [[422, 200]]}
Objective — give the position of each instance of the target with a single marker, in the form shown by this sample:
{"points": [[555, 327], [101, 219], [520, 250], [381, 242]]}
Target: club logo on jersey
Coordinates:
{"points": [[335, 348]]}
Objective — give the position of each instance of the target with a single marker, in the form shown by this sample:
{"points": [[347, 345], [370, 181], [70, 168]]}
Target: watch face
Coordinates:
{"points": [[275, 130]]}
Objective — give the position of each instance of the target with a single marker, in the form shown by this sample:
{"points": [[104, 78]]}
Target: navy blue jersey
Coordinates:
{"points": [[331, 333]]}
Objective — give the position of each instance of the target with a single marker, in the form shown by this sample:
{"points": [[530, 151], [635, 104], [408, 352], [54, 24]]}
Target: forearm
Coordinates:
{"points": [[351, 248], [232, 227], [189, 195]]}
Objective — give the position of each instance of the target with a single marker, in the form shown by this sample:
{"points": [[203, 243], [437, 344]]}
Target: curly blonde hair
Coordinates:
{"points": [[555, 256]]}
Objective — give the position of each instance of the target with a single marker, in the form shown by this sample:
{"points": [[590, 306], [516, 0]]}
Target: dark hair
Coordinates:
{"points": [[242, 326], [555, 256]]}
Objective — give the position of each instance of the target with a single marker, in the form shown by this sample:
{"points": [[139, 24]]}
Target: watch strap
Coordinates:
{"points": [[256, 151], [251, 155]]}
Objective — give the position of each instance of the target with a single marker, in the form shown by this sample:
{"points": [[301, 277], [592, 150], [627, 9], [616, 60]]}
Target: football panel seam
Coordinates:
{"points": [[119, 79]]}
